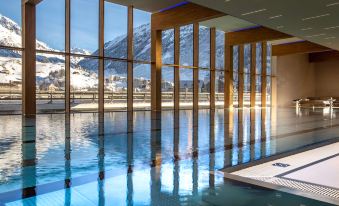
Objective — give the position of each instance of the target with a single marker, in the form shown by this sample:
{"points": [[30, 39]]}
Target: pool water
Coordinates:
{"points": [[145, 158]]}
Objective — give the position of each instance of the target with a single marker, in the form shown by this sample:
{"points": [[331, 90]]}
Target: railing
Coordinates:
{"points": [[108, 96]]}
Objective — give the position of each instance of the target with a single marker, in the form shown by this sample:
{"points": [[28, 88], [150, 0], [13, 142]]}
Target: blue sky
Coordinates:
{"points": [[84, 21]]}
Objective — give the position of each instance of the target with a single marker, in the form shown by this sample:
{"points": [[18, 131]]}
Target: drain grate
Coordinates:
{"points": [[281, 165], [321, 190]]}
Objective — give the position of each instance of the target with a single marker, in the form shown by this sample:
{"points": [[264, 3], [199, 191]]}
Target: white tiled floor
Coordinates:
{"points": [[295, 161]]}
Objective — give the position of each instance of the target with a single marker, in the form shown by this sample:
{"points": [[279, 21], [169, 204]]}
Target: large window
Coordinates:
{"points": [[10, 27], [10, 81], [142, 87], [204, 87], [235, 75], [115, 31], [84, 26], [186, 88], [168, 46], [50, 28], [186, 45], [115, 86], [50, 83], [167, 87], [84, 85], [247, 75], [142, 35]]}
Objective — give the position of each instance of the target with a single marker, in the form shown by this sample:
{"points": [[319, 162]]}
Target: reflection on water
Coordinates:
{"points": [[143, 158]]}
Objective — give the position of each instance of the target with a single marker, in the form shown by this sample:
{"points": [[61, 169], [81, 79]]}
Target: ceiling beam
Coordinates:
{"points": [[34, 2], [300, 47], [324, 56], [252, 35], [185, 14]]}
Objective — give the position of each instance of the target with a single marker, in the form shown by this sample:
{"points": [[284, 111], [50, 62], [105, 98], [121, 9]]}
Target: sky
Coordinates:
{"points": [[84, 21]]}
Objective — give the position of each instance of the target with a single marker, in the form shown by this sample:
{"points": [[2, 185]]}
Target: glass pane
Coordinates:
{"points": [[269, 59], [115, 85], [84, 26], [84, 84], [269, 91], [220, 47], [204, 88], [247, 58], [258, 90], [258, 58], [167, 87], [204, 47], [168, 46], [11, 81], [247, 90], [115, 30], [235, 75], [186, 45], [142, 86], [50, 83], [219, 88], [142, 35], [50, 29], [186, 88], [10, 18]]}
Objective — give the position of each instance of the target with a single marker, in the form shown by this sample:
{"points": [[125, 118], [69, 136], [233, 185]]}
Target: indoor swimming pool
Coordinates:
{"points": [[145, 158]]}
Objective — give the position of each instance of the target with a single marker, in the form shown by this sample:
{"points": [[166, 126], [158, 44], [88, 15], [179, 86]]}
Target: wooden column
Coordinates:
{"points": [[263, 73], [228, 73], [28, 58], [156, 52], [241, 77], [176, 68], [130, 57], [212, 67], [253, 72], [101, 54], [68, 57], [196, 65]]}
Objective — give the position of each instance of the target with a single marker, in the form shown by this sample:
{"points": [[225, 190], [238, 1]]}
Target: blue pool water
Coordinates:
{"points": [[144, 158]]}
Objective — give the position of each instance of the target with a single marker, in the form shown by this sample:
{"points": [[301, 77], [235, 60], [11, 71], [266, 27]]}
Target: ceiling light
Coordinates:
{"points": [[280, 27], [315, 17], [305, 29], [315, 35], [333, 4], [331, 37], [332, 27], [253, 12], [274, 17]]}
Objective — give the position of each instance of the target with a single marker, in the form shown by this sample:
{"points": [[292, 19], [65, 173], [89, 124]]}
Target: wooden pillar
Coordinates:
{"points": [[101, 54], [241, 77], [253, 72], [263, 73], [68, 57], [176, 68], [212, 67], [156, 52], [196, 66], [228, 73], [130, 57], [28, 58]]}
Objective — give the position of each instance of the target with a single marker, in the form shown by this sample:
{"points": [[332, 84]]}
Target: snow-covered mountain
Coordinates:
{"points": [[84, 71]]}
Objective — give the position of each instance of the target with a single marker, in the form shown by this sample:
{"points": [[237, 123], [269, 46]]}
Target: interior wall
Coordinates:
{"points": [[295, 78], [327, 78]]}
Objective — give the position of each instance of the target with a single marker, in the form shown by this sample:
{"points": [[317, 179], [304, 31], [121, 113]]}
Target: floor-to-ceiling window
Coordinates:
{"points": [[235, 66], [186, 72], [247, 75], [204, 67], [258, 70], [50, 63], [10, 57], [142, 53], [219, 68]]}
